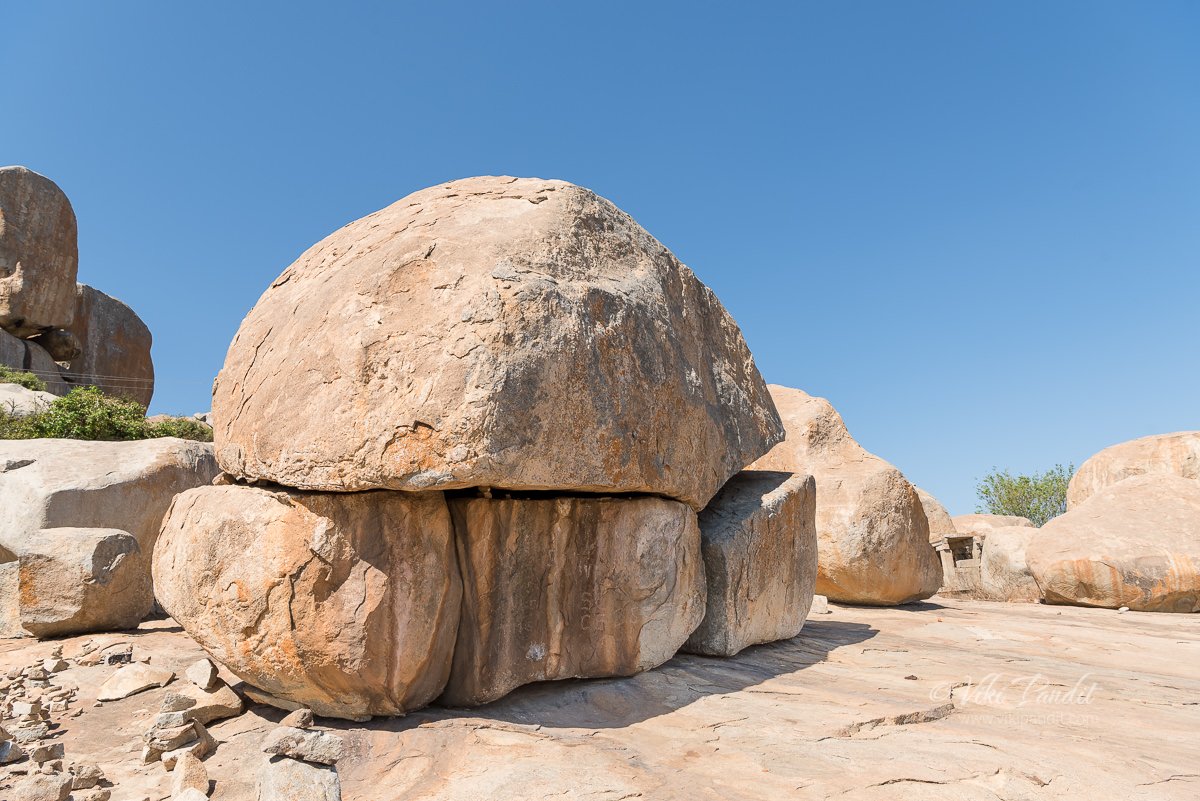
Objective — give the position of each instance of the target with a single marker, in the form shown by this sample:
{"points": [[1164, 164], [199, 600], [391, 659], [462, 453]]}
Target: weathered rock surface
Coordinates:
{"points": [[1175, 454], [345, 603], [455, 339], [114, 347], [74, 580], [80, 491], [759, 541], [312, 746], [872, 533], [42, 787], [1003, 569], [16, 399], [283, 779], [39, 253], [980, 524], [1135, 543], [941, 525], [569, 587], [779, 721]]}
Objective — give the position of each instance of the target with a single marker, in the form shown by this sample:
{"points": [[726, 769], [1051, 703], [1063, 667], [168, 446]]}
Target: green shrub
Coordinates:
{"points": [[1039, 497], [182, 427], [27, 380], [87, 413]]}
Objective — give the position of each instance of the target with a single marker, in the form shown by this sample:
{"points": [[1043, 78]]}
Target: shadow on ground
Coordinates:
{"points": [[617, 703]]}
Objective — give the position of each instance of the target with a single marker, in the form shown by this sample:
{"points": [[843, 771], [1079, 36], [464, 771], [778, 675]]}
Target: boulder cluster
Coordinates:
{"points": [[493, 434], [66, 333], [1130, 538], [78, 524]]}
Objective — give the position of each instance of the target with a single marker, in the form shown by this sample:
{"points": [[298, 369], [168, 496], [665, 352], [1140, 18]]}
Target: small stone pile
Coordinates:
{"points": [[69, 334], [35, 767], [465, 444], [301, 765], [179, 727]]}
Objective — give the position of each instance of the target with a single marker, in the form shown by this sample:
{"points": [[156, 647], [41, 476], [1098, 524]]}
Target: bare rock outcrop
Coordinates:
{"points": [[39, 255], [570, 587], [457, 337], [1135, 544], [347, 603], [1175, 454], [68, 334], [759, 540], [872, 533]]}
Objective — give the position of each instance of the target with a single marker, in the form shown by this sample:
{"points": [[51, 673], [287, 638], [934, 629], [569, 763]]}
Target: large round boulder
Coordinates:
{"points": [[39, 253], [346, 603], [505, 332], [1175, 454], [872, 533], [1135, 544]]}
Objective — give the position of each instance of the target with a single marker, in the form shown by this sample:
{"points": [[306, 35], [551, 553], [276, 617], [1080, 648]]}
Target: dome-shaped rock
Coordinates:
{"points": [[1175, 454], [517, 333], [872, 534]]}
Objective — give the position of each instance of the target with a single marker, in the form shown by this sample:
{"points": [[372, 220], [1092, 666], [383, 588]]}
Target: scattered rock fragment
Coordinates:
{"points": [[306, 744], [132, 679], [301, 718], [42, 787], [284, 779], [189, 773], [203, 674]]}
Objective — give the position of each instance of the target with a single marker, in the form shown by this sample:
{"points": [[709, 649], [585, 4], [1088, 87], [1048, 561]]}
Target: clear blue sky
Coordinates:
{"points": [[974, 226]]}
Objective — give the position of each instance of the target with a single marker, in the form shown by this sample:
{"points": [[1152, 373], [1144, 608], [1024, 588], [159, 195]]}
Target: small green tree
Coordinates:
{"points": [[1039, 497]]}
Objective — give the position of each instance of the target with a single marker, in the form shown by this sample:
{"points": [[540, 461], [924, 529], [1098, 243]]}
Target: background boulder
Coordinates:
{"points": [[346, 603], [759, 540], [39, 253], [114, 347], [1175, 454], [1004, 570], [872, 534], [980, 524], [457, 339], [28, 356], [1135, 543], [941, 524]]}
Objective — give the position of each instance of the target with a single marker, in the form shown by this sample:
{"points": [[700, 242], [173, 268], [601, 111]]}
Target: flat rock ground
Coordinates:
{"points": [[947, 699]]}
